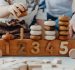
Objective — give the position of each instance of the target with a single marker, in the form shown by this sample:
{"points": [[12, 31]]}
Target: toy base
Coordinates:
{"points": [[28, 47]]}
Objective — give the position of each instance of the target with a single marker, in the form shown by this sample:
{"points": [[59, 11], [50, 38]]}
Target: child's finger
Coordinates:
{"points": [[14, 14]]}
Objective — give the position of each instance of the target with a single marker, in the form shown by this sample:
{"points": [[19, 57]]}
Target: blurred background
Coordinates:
{"points": [[24, 1], [74, 5]]}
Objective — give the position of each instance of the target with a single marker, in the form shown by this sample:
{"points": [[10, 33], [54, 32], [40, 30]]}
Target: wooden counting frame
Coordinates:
{"points": [[28, 47]]}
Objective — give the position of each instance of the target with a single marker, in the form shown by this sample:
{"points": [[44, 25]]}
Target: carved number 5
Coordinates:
{"points": [[64, 48]]}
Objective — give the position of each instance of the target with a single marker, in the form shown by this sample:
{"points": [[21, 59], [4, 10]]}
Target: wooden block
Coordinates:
{"points": [[34, 66], [21, 66], [54, 65], [28, 47]]}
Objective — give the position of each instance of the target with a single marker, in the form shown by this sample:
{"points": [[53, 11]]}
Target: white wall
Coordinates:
{"points": [[73, 5]]}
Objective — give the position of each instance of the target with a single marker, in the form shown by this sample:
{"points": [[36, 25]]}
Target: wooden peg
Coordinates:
{"points": [[21, 33], [0, 53]]}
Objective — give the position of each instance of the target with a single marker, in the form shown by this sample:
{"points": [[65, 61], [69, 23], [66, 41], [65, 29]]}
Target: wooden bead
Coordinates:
{"points": [[50, 37], [48, 28], [64, 28], [8, 37], [63, 33], [50, 23], [50, 33], [36, 28], [63, 38], [35, 37], [63, 23], [36, 33], [64, 18]]}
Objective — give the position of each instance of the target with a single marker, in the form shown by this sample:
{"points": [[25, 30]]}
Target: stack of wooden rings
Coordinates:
{"points": [[50, 33], [63, 27], [36, 32]]}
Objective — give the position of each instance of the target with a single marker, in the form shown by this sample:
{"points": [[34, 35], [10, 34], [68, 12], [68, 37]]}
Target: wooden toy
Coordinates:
{"points": [[50, 34], [63, 27], [34, 66], [36, 32], [38, 45]]}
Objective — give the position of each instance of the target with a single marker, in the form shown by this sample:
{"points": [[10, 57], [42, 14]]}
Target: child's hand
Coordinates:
{"points": [[17, 9], [72, 26]]}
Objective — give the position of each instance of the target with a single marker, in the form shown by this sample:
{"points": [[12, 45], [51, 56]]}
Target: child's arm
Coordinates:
{"points": [[4, 11], [12, 9], [41, 16]]}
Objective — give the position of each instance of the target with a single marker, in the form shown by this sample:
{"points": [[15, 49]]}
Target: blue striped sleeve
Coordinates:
{"points": [[42, 4]]}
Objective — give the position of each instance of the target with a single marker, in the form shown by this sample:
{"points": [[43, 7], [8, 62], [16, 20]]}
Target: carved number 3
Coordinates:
{"points": [[64, 48], [36, 48]]}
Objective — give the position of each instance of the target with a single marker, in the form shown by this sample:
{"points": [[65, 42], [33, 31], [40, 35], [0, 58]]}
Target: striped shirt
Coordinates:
{"points": [[57, 7]]}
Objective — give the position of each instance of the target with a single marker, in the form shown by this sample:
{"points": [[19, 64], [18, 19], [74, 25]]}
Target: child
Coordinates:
{"points": [[6, 10], [72, 28], [55, 8]]}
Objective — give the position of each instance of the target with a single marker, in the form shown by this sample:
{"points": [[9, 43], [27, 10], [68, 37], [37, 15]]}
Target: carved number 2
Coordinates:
{"points": [[21, 48]]}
